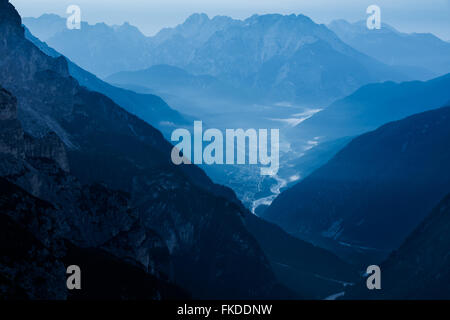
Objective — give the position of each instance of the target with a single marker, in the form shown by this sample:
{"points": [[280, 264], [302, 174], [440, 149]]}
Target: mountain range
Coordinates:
{"points": [[86, 182], [374, 191], [374, 105], [124, 47], [169, 80], [325, 133], [148, 107], [420, 55], [280, 58]]}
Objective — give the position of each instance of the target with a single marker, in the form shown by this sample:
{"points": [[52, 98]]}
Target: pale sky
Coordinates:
{"points": [[152, 15]]}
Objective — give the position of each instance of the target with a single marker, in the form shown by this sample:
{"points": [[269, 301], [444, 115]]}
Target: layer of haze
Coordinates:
{"points": [[152, 15]]}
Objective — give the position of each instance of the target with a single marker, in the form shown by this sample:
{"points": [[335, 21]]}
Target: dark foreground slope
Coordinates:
{"points": [[310, 271], [31, 270], [420, 268], [375, 191]]}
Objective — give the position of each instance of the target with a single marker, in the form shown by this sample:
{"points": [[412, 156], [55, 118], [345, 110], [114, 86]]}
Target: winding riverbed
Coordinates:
{"points": [[275, 189]]}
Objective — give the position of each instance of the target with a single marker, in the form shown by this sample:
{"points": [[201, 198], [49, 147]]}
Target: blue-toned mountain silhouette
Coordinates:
{"points": [[121, 47], [282, 58], [375, 191], [146, 106], [420, 268], [373, 105], [171, 81], [421, 55], [364, 110]]}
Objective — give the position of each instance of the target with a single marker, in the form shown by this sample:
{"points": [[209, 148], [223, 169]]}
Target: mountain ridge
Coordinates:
{"points": [[148, 107], [387, 179], [240, 52], [374, 105], [425, 52]]}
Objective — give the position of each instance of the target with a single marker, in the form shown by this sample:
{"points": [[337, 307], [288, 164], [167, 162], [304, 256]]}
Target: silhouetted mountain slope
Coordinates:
{"points": [[312, 272], [148, 107], [46, 26], [111, 48], [376, 190], [160, 76], [190, 35], [165, 79], [27, 269], [374, 105], [420, 268], [423, 55], [130, 282], [31, 270], [88, 216], [202, 232], [277, 57]]}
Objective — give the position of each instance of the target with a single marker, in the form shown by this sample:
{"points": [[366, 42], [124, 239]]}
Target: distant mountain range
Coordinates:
{"points": [[146, 106], [364, 110], [274, 56], [420, 55], [373, 192], [85, 181], [373, 105], [119, 47], [171, 81]]}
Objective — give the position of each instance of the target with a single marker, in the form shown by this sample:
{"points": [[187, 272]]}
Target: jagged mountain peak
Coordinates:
{"points": [[360, 26], [51, 16], [130, 30], [197, 18], [272, 56], [276, 17]]}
